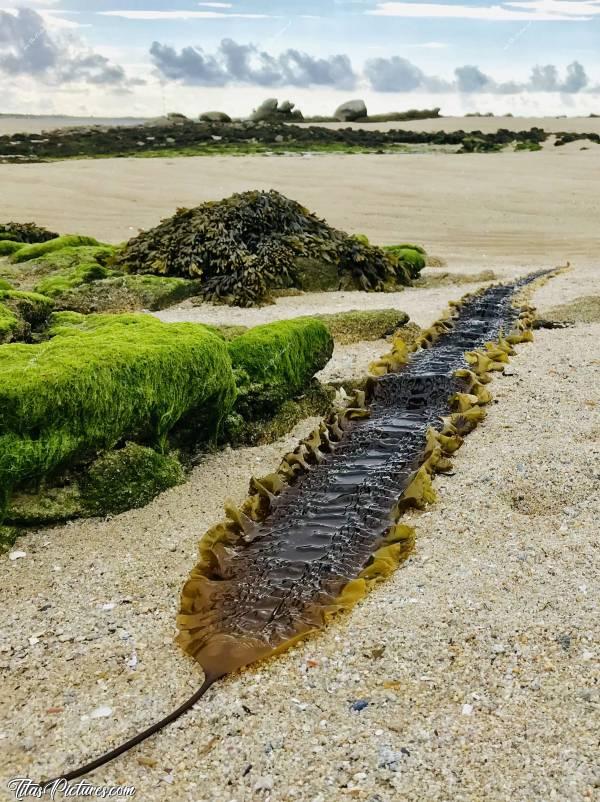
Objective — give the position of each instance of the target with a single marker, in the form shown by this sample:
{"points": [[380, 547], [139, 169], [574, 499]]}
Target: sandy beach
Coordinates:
{"points": [[477, 661], [515, 209]]}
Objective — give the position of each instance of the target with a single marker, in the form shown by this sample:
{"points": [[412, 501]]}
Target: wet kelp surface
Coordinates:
{"points": [[252, 243], [198, 138], [310, 538]]}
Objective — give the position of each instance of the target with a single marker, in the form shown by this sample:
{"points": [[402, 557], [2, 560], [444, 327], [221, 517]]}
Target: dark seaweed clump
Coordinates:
{"points": [[25, 232], [247, 245]]}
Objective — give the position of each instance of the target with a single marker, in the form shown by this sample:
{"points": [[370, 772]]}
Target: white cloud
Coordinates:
{"points": [[216, 5], [176, 15], [518, 11]]}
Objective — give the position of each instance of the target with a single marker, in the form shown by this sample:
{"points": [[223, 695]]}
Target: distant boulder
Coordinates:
{"points": [[215, 117], [272, 111], [350, 111]]}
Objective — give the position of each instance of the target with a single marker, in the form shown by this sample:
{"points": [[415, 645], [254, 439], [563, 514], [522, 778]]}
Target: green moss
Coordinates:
{"points": [[227, 333], [315, 402], [8, 536], [357, 326], [44, 505], [127, 478], [528, 145], [21, 313], [8, 247], [100, 380], [276, 362], [11, 326], [60, 283], [5, 285], [58, 243], [411, 258]]}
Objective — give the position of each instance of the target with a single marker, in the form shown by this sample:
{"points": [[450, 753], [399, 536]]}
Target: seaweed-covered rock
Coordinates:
{"points": [[128, 477], [9, 246], [350, 111], [412, 258], [275, 362], [57, 243], [25, 232], [249, 244], [127, 293], [364, 325], [21, 313], [103, 379]]}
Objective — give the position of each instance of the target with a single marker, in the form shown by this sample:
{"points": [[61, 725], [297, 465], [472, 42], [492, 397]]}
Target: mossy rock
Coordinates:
{"points": [[276, 362], [5, 285], [316, 275], [43, 506], [39, 249], [101, 380], [21, 313], [316, 401], [410, 258], [8, 247], [123, 293], [8, 536], [359, 326], [128, 478]]}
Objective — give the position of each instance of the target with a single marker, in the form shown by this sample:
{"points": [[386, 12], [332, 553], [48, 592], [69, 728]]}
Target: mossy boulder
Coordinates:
{"points": [[411, 257], [127, 478], [36, 250], [21, 313], [122, 293], [101, 380], [276, 362], [359, 326], [8, 247]]}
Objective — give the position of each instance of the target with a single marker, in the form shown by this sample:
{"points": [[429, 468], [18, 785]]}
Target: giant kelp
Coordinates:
{"points": [[247, 245], [311, 538]]}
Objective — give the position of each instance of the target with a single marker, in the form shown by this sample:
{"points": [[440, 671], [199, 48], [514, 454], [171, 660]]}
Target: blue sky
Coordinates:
{"points": [[106, 56]]}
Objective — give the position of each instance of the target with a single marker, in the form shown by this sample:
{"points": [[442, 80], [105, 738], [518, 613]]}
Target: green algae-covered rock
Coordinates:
{"points": [[8, 247], [411, 257], [127, 478], [123, 293], [101, 380], [277, 361], [36, 250], [21, 313]]}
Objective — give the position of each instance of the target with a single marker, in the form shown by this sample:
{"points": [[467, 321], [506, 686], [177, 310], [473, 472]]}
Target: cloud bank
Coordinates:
{"points": [[246, 64], [28, 47]]}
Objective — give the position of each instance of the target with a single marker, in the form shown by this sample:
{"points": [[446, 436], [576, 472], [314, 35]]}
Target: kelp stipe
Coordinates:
{"points": [[313, 537]]}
